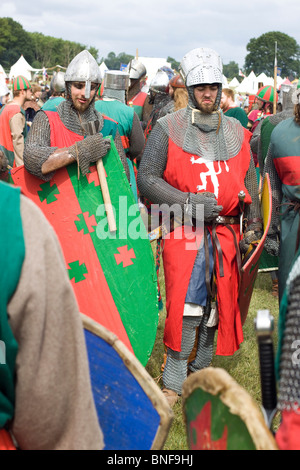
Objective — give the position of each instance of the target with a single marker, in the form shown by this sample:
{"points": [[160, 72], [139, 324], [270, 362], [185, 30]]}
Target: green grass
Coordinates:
{"points": [[243, 366]]}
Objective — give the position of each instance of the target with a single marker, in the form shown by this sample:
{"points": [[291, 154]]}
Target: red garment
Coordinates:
{"points": [[5, 133], [226, 180], [288, 434], [60, 136]]}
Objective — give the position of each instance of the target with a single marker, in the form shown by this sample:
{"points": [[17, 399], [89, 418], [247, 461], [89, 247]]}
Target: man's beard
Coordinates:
{"points": [[80, 107], [207, 108]]}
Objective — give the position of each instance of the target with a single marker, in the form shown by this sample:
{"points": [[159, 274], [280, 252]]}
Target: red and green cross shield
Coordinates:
{"points": [[113, 274]]}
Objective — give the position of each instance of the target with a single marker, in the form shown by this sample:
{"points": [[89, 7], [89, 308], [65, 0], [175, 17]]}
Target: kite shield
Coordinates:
{"points": [[250, 268], [132, 410], [219, 414], [112, 274]]}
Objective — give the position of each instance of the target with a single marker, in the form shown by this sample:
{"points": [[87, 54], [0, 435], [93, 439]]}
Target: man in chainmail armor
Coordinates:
{"points": [[199, 158], [259, 143], [178, 94], [113, 104], [158, 97], [288, 363], [282, 165], [76, 132], [260, 139], [58, 89], [137, 92]]}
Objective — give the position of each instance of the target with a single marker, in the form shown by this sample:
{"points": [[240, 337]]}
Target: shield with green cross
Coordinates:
{"points": [[112, 273]]}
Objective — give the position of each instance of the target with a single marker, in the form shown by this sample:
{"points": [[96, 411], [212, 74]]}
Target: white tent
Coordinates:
{"points": [[262, 78], [234, 83], [3, 75], [21, 67], [103, 69], [152, 65], [225, 82], [248, 85]]}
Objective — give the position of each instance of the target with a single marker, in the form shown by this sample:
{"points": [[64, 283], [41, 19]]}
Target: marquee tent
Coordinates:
{"points": [[102, 68], [234, 83], [3, 75], [21, 67]]}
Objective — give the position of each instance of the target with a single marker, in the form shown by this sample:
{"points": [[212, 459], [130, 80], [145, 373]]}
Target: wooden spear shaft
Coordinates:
{"points": [[106, 196], [275, 79]]}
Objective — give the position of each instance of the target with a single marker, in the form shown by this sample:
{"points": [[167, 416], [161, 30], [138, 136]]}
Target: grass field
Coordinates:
{"points": [[243, 366]]}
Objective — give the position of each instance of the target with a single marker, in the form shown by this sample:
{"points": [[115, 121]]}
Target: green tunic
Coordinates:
{"points": [[12, 253], [239, 114]]}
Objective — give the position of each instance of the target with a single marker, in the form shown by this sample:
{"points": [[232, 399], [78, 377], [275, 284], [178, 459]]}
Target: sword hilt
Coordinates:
{"points": [[264, 326]]}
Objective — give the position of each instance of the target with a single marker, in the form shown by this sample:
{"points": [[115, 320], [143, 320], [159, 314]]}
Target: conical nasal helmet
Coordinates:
{"points": [[136, 69], [83, 68], [57, 83]]}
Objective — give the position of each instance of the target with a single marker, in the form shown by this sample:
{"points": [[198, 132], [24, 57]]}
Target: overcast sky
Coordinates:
{"points": [[158, 28]]}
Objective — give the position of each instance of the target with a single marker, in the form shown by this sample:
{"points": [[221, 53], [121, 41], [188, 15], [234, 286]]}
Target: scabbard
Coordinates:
{"points": [[264, 325]]}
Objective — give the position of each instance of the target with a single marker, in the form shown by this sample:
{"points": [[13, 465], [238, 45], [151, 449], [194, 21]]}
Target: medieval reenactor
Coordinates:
{"points": [[13, 127], [46, 399], [57, 139], [282, 165], [179, 96], [137, 95], [198, 158], [113, 105], [58, 89], [158, 97]]}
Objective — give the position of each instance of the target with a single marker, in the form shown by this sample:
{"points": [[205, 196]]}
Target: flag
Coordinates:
{"points": [[123, 67], [241, 74], [278, 71]]}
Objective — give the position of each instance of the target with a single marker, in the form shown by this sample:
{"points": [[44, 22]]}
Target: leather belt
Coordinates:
{"points": [[227, 220]]}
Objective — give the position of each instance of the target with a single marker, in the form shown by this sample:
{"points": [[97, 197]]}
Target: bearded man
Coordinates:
{"points": [[13, 128], [57, 139], [198, 158]]}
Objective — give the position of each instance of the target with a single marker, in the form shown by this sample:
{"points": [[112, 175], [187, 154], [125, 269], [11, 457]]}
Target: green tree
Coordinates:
{"points": [[174, 63], [231, 70], [14, 41], [114, 62], [39, 50], [261, 55]]}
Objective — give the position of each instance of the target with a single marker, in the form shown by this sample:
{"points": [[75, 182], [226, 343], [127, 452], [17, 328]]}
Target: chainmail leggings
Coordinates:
{"points": [[175, 371]]}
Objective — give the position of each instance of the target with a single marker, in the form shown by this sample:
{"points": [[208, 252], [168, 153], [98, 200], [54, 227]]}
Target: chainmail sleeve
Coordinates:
{"points": [[289, 382], [150, 175], [37, 147], [255, 139], [253, 210], [136, 139], [276, 192], [120, 149]]}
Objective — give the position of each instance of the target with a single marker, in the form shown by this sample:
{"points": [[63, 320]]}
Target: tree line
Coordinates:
{"points": [[46, 51]]}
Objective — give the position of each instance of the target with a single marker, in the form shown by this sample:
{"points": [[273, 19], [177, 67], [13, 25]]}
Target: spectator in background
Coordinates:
{"points": [[13, 128], [179, 95], [4, 94], [229, 107], [31, 107]]}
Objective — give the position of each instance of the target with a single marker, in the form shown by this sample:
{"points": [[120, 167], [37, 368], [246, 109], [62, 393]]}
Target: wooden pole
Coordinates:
{"points": [[275, 79], [106, 196]]}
